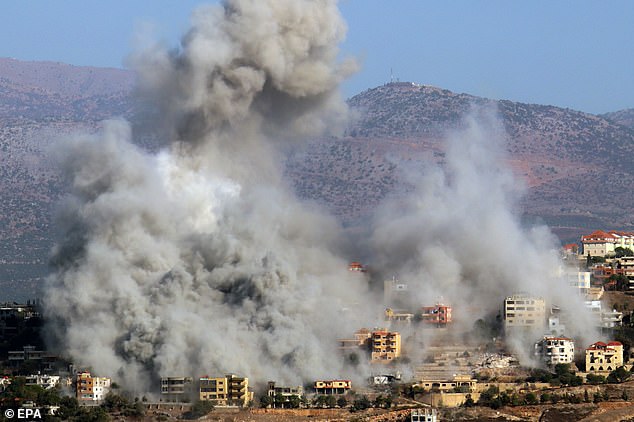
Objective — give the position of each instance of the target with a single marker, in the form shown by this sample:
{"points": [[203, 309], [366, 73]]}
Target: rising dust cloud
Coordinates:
{"points": [[199, 259]]}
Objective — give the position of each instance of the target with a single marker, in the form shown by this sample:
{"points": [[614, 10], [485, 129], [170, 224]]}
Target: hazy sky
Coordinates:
{"points": [[577, 54]]}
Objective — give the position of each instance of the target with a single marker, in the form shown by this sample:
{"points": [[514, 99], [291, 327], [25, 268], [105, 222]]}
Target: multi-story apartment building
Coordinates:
{"points": [[521, 310], [332, 387], [228, 390], [579, 280], [176, 389], [438, 315], [604, 357], [285, 393], [89, 388], [385, 346], [601, 243], [554, 350]]}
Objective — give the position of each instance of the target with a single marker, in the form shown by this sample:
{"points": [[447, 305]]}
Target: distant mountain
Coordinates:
{"points": [[46, 90], [579, 167], [39, 103], [622, 117]]}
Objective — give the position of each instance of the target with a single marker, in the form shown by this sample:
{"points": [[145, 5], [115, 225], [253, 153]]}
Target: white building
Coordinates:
{"points": [[555, 327], [579, 280], [45, 381], [604, 319], [554, 350]]}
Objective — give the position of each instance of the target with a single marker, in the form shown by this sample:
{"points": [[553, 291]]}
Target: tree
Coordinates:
{"points": [[266, 401], [294, 401], [620, 252], [595, 379], [200, 409], [331, 401], [361, 403], [468, 401], [342, 402], [531, 398], [619, 375]]}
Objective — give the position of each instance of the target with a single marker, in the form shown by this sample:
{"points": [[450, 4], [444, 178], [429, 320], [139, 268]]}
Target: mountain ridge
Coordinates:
{"points": [[577, 166]]}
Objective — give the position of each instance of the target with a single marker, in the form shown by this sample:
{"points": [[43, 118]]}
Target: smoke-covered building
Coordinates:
{"points": [[385, 346], [438, 315], [283, 395], [228, 390], [176, 389], [521, 310], [555, 350]]}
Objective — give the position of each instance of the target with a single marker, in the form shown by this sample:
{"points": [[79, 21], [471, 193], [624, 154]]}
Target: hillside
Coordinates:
{"points": [[622, 117], [578, 167]]}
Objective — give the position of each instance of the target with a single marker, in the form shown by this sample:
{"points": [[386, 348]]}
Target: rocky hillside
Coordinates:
{"points": [[578, 166], [622, 117]]}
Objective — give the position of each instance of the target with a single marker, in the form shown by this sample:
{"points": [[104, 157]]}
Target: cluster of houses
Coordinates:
{"points": [[384, 345]]}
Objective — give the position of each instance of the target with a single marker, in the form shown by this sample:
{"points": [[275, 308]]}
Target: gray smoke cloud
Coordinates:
{"points": [[197, 260], [458, 238]]}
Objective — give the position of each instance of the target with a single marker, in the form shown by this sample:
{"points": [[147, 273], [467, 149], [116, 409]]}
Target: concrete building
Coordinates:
{"points": [[554, 350], [398, 317], [579, 280], [465, 383], [521, 310], [285, 393], [438, 315], [604, 318], [45, 381], [176, 389], [89, 388], [555, 326], [361, 340], [385, 346], [229, 390], [331, 387], [604, 357]]}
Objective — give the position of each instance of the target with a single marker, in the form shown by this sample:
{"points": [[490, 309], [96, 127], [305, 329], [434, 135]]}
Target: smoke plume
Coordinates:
{"points": [[197, 260]]}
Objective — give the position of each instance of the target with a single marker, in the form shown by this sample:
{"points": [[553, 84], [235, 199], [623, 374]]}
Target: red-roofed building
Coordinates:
{"points": [[439, 315], [601, 243], [602, 357], [356, 267], [571, 249]]}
